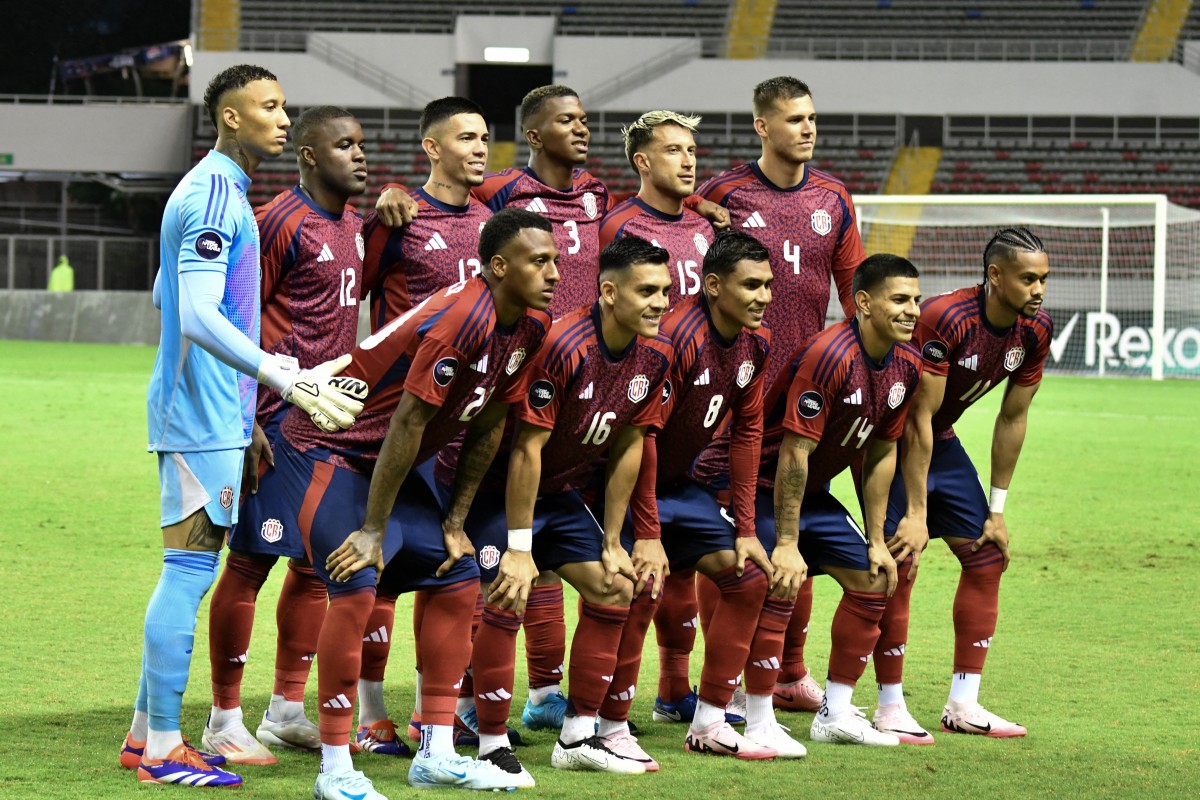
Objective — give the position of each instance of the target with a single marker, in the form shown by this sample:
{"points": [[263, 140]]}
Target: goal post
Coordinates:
{"points": [[1124, 288]]}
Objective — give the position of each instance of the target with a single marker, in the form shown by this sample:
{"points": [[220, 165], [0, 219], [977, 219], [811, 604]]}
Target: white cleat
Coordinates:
{"points": [[736, 710], [506, 759], [461, 772], [237, 745], [850, 727], [896, 720], [720, 739], [974, 718], [594, 755], [775, 736], [344, 785], [625, 744], [299, 733]]}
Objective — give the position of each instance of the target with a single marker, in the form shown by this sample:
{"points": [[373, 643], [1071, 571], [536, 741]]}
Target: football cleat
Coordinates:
{"points": [[237, 745], [720, 739], [297, 734], [681, 710], [547, 714], [453, 770], [625, 744], [506, 759], [974, 718], [850, 727], [346, 785], [466, 730], [896, 720], [775, 736], [592, 754], [379, 738], [184, 766], [132, 751], [802, 695]]}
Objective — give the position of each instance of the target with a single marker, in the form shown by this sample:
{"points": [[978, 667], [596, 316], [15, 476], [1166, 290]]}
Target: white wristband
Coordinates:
{"points": [[520, 539], [996, 499], [278, 372]]}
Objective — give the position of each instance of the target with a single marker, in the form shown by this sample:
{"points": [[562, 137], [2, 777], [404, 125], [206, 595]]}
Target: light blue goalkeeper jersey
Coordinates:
{"points": [[195, 402]]}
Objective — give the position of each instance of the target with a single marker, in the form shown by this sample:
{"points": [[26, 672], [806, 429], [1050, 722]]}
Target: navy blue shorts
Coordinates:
{"points": [[829, 536], [564, 531], [267, 522], [693, 524], [957, 505]]}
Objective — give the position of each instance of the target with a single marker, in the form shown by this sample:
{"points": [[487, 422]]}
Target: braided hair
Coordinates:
{"points": [[1007, 242]]}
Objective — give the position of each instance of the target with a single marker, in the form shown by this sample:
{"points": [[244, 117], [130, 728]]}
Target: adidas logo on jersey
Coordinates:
{"points": [[703, 380], [755, 220], [326, 253], [481, 365], [588, 392], [380, 636], [854, 399], [538, 206], [970, 362], [436, 242]]}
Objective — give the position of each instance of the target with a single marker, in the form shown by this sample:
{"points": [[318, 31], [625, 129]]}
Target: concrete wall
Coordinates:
{"points": [[124, 137], [96, 317], [584, 62], [306, 80]]}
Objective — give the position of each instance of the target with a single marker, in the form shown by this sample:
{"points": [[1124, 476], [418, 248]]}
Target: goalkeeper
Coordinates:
{"points": [[201, 400]]}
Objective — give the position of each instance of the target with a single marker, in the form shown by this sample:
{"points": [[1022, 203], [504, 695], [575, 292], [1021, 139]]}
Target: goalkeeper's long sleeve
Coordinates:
{"points": [[201, 320]]}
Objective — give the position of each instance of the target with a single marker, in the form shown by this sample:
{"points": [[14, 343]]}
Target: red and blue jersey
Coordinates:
{"points": [[958, 343], [685, 236], [448, 351], [576, 214], [437, 249], [811, 232], [312, 277]]}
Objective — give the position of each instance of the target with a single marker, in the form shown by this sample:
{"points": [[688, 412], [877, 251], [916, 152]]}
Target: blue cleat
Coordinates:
{"points": [[380, 738], [466, 730], [184, 766], [547, 714], [684, 710]]}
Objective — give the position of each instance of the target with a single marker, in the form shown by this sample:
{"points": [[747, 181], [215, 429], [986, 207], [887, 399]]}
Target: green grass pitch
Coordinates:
{"points": [[1095, 652]]}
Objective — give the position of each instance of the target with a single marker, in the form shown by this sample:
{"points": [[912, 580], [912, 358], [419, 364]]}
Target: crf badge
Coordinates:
{"points": [[638, 388], [745, 374], [701, 244], [227, 497], [822, 223], [1014, 358], [489, 556], [514, 361], [272, 530], [590, 207], [896, 395]]}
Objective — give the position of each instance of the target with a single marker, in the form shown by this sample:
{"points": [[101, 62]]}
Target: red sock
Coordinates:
{"points": [[797, 634], [339, 659], [418, 615], [377, 642], [445, 648], [976, 605], [619, 697], [675, 628], [545, 635], [893, 628], [707, 597], [494, 657], [853, 634], [298, 617], [231, 613], [594, 655], [468, 681], [731, 631], [766, 648]]}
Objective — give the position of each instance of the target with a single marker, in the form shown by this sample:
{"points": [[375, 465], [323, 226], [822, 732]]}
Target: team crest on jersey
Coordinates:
{"points": [[272, 530], [666, 391], [360, 245], [896, 395], [226, 497], [701, 244], [590, 206], [481, 226], [810, 404], [1014, 358], [541, 393], [489, 556], [934, 351], [514, 361], [639, 387], [745, 374], [208, 245], [445, 370], [822, 223]]}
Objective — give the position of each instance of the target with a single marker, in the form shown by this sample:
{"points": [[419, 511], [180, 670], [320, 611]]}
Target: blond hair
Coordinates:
{"points": [[638, 133]]}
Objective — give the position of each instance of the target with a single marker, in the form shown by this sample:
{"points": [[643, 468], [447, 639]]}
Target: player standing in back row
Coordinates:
{"points": [[806, 219]]}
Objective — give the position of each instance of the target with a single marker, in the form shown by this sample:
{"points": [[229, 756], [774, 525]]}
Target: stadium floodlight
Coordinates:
{"points": [[1124, 287], [506, 55]]}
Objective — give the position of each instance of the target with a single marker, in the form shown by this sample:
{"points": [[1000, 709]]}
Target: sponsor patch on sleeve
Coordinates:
{"points": [[208, 245], [541, 393], [445, 370], [810, 404], [934, 351]]}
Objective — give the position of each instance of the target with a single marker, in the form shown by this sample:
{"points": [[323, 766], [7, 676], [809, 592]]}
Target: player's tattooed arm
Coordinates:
{"points": [[879, 468], [1007, 439], [912, 533], [791, 479]]}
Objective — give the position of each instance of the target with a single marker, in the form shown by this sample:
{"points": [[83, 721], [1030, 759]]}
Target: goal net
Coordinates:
{"points": [[1124, 288]]}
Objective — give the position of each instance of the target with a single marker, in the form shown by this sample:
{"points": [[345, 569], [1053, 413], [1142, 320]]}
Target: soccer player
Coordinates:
{"points": [[719, 369], [430, 381], [439, 248], [972, 340], [200, 401], [312, 248], [598, 382], [806, 219]]}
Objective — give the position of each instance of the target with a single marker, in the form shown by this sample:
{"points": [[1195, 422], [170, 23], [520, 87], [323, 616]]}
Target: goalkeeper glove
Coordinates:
{"points": [[331, 402]]}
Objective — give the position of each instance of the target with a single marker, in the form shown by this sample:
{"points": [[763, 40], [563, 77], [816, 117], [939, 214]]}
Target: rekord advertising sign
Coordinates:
{"points": [[1123, 342]]}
